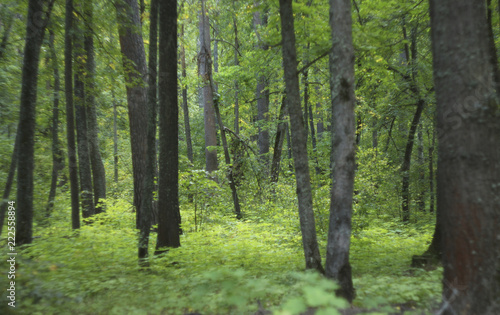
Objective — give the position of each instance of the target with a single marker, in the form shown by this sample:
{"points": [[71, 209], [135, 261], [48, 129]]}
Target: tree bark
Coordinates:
{"points": [[134, 65], [168, 194], [185, 108], [278, 143], [115, 138], [84, 167], [57, 161], [299, 140], [205, 72], [236, 84], [8, 184], [262, 97], [26, 127], [98, 171], [70, 118], [343, 147], [468, 170]]}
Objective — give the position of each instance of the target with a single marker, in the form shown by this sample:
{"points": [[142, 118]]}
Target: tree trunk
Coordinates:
{"points": [[431, 172], [57, 160], [236, 84], [134, 65], [98, 171], [469, 156], [84, 167], [421, 170], [343, 147], [205, 71], [185, 108], [278, 143], [70, 118], [115, 138], [168, 194], [262, 97], [26, 127], [299, 144], [147, 198]]}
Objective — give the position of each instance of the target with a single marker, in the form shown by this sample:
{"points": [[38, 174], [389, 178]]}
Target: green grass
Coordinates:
{"points": [[226, 267]]}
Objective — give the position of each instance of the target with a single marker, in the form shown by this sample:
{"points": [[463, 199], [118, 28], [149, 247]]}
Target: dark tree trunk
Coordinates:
{"points": [[98, 172], [168, 194], [205, 71], [147, 198], [405, 168], [278, 143], [84, 167], [70, 118], [421, 171], [115, 138], [299, 144], [134, 65], [343, 147], [262, 97], [185, 108], [431, 172], [8, 184], [57, 161], [468, 170], [26, 127]]}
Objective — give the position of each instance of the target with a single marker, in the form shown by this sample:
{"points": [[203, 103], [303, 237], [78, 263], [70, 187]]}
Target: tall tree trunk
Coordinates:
{"points": [[205, 71], [262, 97], [278, 143], [84, 167], [421, 171], [70, 118], [431, 172], [236, 84], [468, 170], [8, 184], [147, 199], [98, 171], [185, 108], [57, 160], [168, 194], [343, 147], [26, 127], [134, 65], [115, 138], [299, 144]]}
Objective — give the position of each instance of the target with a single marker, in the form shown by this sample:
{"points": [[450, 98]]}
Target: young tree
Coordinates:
{"points": [[168, 192], [469, 156], [299, 142], [70, 118], [134, 65], [343, 147], [35, 28], [207, 96], [185, 108]]}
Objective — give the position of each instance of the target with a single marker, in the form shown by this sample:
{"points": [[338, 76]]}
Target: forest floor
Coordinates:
{"points": [[224, 266]]}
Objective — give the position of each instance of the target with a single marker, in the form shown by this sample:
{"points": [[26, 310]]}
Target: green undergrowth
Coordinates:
{"points": [[224, 266]]}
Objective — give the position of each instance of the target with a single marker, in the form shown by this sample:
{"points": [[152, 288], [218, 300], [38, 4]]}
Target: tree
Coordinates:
{"points": [[469, 156], [70, 118], [185, 108], [168, 191], [98, 171], [205, 72], [35, 28], [343, 147], [134, 66], [299, 139]]}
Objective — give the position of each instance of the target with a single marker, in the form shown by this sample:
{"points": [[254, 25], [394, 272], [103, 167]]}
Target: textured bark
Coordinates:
{"points": [[70, 118], [26, 127], [205, 72], [262, 97], [168, 194], [147, 198], [57, 161], [343, 147], [278, 143], [299, 140], [84, 167], [134, 65], [98, 172], [185, 108], [469, 157]]}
